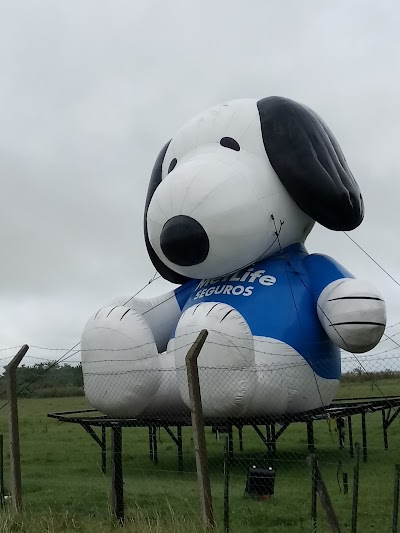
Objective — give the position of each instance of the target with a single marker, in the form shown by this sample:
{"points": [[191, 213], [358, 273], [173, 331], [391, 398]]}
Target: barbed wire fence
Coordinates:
{"points": [[338, 426], [273, 447]]}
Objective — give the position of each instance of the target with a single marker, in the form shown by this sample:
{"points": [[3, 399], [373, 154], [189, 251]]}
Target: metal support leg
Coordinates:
{"points": [[103, 450], [268, 429], [151, 442], [273, 438], [384, 427], [310, 436], [177, 439], [155, 450], [350, 428], [240, 428], [180, 449], [100, 441], [230, 443], [117, 480], [340, 426], [364, 436]]}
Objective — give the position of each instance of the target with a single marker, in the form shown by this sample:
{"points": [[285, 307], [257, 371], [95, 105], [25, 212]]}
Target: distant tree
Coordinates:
{"points": [[47, 379]]}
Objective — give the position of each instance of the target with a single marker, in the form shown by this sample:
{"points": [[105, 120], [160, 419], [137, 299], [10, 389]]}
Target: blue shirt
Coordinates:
{"points": [[278, 299]]}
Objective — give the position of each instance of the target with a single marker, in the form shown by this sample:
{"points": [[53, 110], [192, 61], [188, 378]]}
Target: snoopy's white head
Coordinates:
{"points": [[242, 181]]}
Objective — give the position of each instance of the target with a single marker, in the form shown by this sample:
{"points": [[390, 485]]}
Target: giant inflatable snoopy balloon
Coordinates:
{"points": [[231, 200]]}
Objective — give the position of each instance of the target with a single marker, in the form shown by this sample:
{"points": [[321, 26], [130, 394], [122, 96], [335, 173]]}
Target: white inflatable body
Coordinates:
{"points": [[231, 201]]}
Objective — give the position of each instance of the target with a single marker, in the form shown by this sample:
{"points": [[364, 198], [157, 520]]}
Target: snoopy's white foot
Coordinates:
{"points": [[120, 362], [226, 361]]}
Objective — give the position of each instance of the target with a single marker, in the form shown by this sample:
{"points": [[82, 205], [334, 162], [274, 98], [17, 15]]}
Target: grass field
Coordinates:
{"points": [[64, 489]]}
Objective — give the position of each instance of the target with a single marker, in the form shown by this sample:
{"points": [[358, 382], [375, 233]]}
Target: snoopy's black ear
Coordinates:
{"points": [[155, 181], [310, 164]]}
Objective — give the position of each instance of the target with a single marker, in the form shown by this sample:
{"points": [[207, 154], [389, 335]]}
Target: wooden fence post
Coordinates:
{"points": [[2, 489], [395, 516], [324, 497], [15, 455], [199, 438]]}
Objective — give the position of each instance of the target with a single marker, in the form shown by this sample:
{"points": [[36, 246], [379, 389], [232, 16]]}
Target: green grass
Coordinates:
{"points": [[64, 489], [362, 389]]}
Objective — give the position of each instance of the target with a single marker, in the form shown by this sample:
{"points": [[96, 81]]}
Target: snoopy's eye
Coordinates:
{"points": [[228, 142], [172, 165]]}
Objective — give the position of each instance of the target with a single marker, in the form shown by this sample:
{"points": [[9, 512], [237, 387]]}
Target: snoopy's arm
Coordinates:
{"points": [[161, 313], [353, 314]]}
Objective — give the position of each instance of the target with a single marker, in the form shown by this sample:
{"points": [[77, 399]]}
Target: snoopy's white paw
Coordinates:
{"points": [[353, 314], [226, 361], [120, 361]]}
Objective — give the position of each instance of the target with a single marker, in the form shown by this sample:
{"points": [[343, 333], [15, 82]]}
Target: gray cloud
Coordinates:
{"points": [[90, 91]]}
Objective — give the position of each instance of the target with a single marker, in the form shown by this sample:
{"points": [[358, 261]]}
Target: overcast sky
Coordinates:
{"points": [[90, 90]]}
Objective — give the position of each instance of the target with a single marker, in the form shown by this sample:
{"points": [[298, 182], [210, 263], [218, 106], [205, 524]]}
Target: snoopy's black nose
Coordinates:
{"points": [[184, 241]]}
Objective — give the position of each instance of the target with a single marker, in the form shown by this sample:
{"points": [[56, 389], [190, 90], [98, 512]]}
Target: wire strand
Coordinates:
{"points": [[372, 259]]}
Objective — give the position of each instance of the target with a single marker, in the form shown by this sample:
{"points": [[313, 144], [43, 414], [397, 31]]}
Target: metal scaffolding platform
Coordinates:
{"points": [[341, 410]]}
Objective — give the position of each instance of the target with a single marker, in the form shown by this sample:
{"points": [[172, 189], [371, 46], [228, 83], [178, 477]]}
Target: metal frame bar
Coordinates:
{"points": [[337, 409], [178, 441], [260, 434], [102, 442], [393, 417]]}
